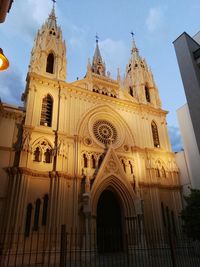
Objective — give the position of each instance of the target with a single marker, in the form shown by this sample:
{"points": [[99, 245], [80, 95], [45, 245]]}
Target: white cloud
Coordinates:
{"points": [[155, 20], [115, 54], [26, 18], [11, 86]]}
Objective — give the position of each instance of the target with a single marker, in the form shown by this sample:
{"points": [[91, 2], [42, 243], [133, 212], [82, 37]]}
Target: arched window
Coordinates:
{"points": [[131, 167], [131, 90], [37, 154], [47, 156], [157, 172], [47, 108], [163, 172], [37, 214], [93, 162], [85, 161], [45, 208], [50, 63], [28, 219], [124, 165], [147, 94], [155, 134]]}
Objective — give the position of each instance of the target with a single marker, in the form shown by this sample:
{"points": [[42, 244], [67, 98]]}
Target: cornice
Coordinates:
{"points": [[159, 186], [39, 174], [12, 112], [84, 93]]}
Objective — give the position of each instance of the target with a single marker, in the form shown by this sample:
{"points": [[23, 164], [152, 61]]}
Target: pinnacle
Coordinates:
{"points": [[52, 18]]}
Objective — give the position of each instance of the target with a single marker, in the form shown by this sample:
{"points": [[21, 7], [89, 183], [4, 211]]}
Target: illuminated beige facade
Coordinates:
{"points": [[74, 141]]}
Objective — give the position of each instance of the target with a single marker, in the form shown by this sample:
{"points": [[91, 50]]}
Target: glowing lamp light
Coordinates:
{"points": [[4, 63]]}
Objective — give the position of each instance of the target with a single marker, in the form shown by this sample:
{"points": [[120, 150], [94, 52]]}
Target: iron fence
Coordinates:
{"points": [[105, 248]]}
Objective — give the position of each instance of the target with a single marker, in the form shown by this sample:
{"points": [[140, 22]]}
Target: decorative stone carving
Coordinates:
{"points": [[26, 140]]}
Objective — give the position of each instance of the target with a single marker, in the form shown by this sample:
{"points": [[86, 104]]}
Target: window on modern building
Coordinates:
{"points": [[47, 156], [93, 162], [37, 154], [85, 161], [131, 90], [28, 219], [131, 167], [124, 165], [37, 214], [155, 135], [47, 108], [147, 94], [50, 63], [45, 209]]}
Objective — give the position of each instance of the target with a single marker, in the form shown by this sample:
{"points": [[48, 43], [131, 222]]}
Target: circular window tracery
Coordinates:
{"points": [[105, 132]]}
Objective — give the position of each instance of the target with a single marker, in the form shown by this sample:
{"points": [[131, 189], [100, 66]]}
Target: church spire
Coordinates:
{"points": [[98, 65], [52, 18], [134, 50], [48, 56]]}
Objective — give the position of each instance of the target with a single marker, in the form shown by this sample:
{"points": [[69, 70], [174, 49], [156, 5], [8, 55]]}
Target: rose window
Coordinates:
{"points": [[105, 132]]}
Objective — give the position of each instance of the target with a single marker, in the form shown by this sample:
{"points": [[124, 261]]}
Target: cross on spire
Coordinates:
{"points": [[54, 1], [132, 34], [97, 38]]}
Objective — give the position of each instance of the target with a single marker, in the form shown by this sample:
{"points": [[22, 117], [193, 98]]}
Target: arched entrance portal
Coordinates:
{"points": [[109, 223]]}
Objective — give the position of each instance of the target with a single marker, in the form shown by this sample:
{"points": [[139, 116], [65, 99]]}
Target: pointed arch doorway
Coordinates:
{"points": [[109, 223]]}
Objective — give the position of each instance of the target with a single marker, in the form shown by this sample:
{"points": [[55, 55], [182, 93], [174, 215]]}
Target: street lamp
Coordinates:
{"points": [[4, 63]]}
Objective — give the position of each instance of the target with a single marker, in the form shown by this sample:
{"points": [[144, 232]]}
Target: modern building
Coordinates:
{"points": [[90, 154], [5, 6], [188, 56]]}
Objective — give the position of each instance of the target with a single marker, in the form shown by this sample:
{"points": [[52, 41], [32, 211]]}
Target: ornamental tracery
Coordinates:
{"points": [[105, 132], [42, 151]]}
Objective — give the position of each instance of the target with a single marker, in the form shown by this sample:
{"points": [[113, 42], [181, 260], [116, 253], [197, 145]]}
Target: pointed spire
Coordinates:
{"points": [[118, 75], [134, 50], [52, 17], [98, 66], [97, 54]]}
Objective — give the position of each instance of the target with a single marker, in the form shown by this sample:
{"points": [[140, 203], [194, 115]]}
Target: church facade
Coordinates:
{"points": [[89, 154]]}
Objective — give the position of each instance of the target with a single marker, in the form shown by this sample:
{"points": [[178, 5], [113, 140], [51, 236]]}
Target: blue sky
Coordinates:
{"points": [[156, 25]]}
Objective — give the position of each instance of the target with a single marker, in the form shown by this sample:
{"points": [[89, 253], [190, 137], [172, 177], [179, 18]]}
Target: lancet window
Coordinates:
{"points": [[155, 135], [131, 167], [163, 172], [45, 208], [50, 63], [147, 94], [37, 214], [42, 151], [47, 108], [157, 172], [37, 154], [47, 156], [85, 161], [131, 90], [28, 219], [124, 165], [93, 162]]}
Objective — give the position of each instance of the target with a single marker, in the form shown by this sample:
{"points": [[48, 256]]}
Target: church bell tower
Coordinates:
{"points": [[48, 57], [139, 81]]}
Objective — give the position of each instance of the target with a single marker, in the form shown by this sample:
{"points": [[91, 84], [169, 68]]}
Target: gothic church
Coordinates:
{"points": [[89, 154]]}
